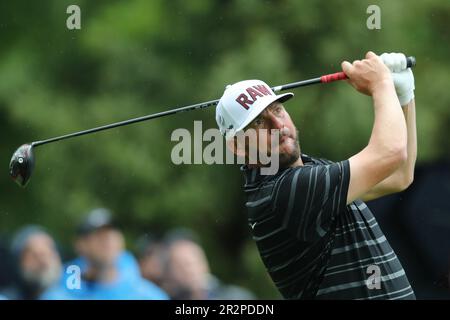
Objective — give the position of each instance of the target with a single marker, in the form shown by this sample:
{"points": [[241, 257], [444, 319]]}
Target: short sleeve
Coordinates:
{"points": [[309, 198]]}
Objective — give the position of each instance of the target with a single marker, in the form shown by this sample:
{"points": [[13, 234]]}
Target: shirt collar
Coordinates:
{"points": [[253, 175]]}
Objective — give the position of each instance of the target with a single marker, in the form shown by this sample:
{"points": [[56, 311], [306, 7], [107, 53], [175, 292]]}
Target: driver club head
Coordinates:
{"points": [[22, 164]]}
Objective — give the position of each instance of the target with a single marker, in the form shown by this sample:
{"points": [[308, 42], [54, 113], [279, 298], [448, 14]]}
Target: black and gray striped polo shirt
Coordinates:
{"points": [[313, 245]]}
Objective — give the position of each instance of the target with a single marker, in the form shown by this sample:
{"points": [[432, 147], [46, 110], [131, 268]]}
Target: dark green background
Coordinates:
{"points": [[132, 58]]}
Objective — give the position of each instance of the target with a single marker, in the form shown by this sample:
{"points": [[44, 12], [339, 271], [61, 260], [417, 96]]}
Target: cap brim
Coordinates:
{"points": [[89, 229], [261, 107]]}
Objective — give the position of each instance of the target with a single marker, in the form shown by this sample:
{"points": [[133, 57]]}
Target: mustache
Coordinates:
{"points": [[285, 132]]}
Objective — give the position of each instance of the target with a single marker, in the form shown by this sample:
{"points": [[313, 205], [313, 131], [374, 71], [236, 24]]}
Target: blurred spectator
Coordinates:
{"points": [[108, 272], [37, 261], [151, 254], [187, 274], [6, 265]]}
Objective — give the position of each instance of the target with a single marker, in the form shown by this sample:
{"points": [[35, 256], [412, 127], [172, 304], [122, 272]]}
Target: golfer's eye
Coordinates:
{"points": [[258, 122], [278, 109]]}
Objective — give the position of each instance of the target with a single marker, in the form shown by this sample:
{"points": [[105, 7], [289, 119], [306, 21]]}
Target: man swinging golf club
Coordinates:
{"points": [[316, 236]]}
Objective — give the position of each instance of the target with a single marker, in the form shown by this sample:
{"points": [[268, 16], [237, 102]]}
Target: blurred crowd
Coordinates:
{"points": [[170, 267]]}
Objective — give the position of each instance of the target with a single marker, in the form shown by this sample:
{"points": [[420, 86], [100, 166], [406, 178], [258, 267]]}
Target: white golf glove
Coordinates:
{"points": [[402, 76]]}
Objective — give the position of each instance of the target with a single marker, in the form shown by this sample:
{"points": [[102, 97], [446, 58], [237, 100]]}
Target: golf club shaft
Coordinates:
{"points": [[411, 62], [127, 122]]}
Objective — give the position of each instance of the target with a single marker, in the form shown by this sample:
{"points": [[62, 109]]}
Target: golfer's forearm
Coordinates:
{"points": [[410, 115], [389, 135], [405, 173]]}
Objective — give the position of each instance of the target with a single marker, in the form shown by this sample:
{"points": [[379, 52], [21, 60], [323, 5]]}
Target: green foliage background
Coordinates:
{"points": [[138, 57]]}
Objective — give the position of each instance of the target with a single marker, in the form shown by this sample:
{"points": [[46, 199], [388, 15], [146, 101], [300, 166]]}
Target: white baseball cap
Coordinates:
{"points": [[242, 102]]}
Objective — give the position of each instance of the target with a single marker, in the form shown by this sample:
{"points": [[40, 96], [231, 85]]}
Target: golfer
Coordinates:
{"points": [[316, 236]]}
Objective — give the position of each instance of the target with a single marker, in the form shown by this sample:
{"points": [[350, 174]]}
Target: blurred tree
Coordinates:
{"points": [[138, 57]]}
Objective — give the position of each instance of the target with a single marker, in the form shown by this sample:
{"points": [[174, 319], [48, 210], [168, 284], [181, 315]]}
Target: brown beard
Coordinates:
{"points": [[287, 159]]}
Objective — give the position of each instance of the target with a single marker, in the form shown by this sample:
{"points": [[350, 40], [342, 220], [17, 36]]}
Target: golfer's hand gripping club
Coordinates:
{"points": [[410, 62], [398, 63], [401, 74]]}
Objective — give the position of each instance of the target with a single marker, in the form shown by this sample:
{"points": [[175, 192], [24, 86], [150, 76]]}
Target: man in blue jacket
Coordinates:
{"points": [[107, 271]]}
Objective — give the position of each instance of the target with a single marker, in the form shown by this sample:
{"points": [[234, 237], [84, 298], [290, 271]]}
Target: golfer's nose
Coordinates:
{"points": [[276, 122]]}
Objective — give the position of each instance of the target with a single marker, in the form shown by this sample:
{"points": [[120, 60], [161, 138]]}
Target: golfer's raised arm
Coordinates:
{"points": [[386, 149]]}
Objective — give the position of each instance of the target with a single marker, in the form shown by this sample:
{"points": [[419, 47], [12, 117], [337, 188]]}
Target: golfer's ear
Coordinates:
{"points": [[234, 146]]}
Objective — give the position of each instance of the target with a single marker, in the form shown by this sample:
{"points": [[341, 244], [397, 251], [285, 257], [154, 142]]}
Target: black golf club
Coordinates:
{"points": [[22, 162]]}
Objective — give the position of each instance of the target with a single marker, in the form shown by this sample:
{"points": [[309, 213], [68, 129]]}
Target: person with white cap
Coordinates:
{"points": [[316, 236]]}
